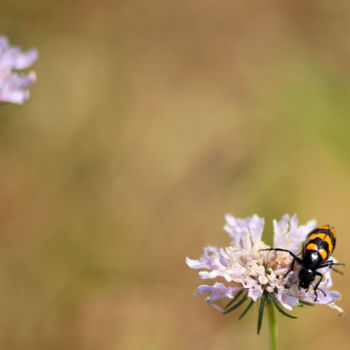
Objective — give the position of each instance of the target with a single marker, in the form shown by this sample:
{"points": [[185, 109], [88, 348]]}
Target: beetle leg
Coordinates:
{"points": [[330, 264], [287, 251], [337, 271], [317, 284], [291, 267]]}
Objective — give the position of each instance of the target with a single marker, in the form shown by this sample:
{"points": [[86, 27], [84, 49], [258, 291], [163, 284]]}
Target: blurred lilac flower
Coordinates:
{"points": [[13, 85], [243, 267]]}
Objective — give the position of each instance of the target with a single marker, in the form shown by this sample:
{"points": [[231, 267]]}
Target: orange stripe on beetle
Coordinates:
{"points": [[324, 237], [311, 246], [316, 235], [333, 231], [323, 254], [329, 241]]}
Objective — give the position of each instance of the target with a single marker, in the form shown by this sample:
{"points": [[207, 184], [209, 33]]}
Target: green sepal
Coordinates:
{"points": [[261, 311], [278, 307], [234, 299], [235, 306], [303, 302], [246, 309]]}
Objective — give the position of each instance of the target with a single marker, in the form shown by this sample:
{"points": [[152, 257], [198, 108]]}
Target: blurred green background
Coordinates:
{"points": [[149, 121]]}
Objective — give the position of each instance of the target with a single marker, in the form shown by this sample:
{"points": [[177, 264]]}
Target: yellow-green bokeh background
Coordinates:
{"points": [[149, 121]]}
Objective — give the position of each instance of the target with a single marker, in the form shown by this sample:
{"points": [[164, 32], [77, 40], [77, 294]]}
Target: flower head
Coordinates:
{"points": [[13, 85], [247, 267]]}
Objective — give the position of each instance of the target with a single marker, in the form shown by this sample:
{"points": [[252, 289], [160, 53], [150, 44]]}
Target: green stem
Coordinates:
{"points": [[272, 326]]}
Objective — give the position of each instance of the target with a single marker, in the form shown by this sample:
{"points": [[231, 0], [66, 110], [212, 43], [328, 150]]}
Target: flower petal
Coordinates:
{"points": [[13, 86], [256, 227], [289, 235], [287, 301], [255, 293], [244, 232], [217, 291]]}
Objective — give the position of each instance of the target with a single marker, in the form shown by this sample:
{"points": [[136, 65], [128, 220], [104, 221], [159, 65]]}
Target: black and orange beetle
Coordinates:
{"points": [[317, 249]]}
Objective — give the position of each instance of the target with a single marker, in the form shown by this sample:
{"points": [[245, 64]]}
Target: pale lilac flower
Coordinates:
{"points": [[243, 266], [13, 85]]}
